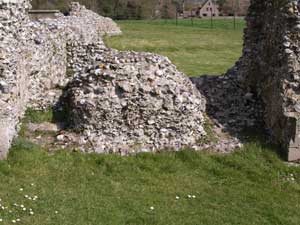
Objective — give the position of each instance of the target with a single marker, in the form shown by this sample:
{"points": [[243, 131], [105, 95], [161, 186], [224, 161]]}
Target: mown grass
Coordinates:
{"points": [[247, 187], [194, 49], [36, 116], [250, 187]]}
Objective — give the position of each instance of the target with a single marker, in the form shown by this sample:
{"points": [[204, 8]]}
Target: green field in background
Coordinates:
{"points": [[196, 49]]}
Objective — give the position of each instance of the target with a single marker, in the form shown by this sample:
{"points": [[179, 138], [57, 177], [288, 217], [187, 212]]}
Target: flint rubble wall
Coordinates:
{"points": [[270, 68], [37, 57], [127, 102], [34, 58], [266, 79]]}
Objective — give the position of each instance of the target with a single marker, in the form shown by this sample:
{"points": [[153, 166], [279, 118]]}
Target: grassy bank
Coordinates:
{"points": [[252, 186]]}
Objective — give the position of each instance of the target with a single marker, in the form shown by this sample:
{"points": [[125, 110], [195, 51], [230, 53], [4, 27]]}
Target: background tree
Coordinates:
{"points": [[221, 4], [139, 9]]}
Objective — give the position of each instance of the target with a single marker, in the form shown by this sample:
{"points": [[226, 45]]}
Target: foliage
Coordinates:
{"points": [[221, 3], [34, 116], [117, 9], [138, 9]]}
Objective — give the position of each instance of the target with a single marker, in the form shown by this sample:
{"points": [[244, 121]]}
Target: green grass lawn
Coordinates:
{"points": [[194, 49], [250, 187]]}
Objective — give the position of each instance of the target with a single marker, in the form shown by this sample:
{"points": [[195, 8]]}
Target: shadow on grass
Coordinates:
{"points": [[231, 110], [251, 135]]}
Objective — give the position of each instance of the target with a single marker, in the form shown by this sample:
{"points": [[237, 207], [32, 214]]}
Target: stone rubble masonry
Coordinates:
{"points": [[270, 68], [128, 102], [34, 58], [123, 102], [107, 90]]}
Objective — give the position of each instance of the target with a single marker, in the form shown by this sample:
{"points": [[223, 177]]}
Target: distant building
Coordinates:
{"points": [[202, 9]]}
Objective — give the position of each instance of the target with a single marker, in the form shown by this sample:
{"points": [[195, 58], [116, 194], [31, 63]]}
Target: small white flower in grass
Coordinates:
{"points": [[26, 196], [13, 221], [56, 212], [1, 220], [189, 196], [32, 184], [2, 207], [30, 209], [151, 208], [21, 189], [24, 209], [177, 197], [31, 213], [29, 198], [194, 196], [18, 220]]}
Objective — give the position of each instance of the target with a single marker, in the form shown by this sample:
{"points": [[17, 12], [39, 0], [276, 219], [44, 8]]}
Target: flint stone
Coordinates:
{"points": [[126, 115], [34, 56], [44, 127], [271, 69], [4, 87]]}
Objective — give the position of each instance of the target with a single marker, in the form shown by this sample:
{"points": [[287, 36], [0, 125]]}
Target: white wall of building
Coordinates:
{"points": [[209, 9]]}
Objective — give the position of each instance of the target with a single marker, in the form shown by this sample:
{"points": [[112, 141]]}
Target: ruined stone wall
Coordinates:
{"points": [[270, 68], [128, 102], [59, 43], [37, 59], [13, 79], [34, 58]]}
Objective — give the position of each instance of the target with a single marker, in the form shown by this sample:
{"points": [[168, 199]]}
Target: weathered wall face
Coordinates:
{"points": [[34, 58], [52, 41], [13, 94], [138, 101], [128, 102], [270, 68], [37, 57]]}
